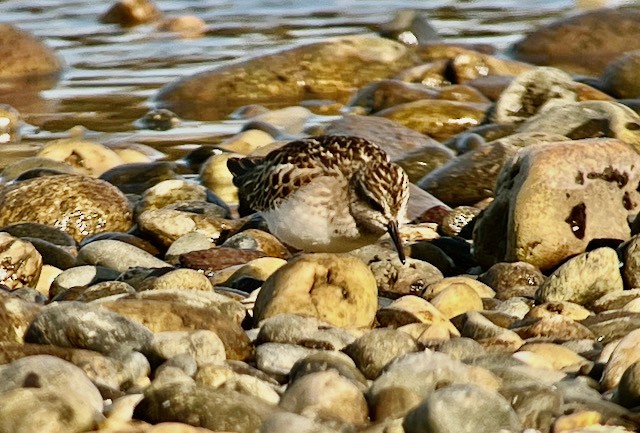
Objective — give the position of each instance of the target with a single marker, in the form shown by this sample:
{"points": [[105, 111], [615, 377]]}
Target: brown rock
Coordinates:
{"points": [[160, 316], [15, 317], [584, 43], [437, 119], [131, 13], [23, 55], [78, 205], [332, 68], [513, 279], [214, 259], [20, 262]]}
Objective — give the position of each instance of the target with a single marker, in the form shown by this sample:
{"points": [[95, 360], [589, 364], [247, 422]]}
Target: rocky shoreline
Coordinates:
{"points": [[133, 298]]}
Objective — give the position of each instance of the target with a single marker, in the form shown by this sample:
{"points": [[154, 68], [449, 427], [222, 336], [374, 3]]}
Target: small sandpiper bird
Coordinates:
{"points": [[326, 193]]}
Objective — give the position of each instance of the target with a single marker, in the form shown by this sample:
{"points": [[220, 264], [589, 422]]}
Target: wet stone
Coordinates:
{"points": [[131, 12], [533, 91], [396, 140], [41, 231], [136, 178], [25, 55], [159, 119], [215, 259], [439, 120], [583, 43]]}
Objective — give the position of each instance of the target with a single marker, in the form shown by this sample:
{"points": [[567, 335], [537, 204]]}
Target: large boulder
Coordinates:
{"points": [[553, 199], [332, 68]]}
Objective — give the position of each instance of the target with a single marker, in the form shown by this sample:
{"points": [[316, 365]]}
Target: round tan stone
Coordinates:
{"points": [[559, 357], [85, 156], [216, 176], [413, 309], [339, 289], [481, 289], [563, 308], [260, 268], [247, 141], [457, 299], [169, 192], [78, 205], [625, 353]]}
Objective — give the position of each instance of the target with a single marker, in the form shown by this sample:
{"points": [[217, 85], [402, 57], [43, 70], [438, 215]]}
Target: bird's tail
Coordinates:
{"points": [[244, 171]]}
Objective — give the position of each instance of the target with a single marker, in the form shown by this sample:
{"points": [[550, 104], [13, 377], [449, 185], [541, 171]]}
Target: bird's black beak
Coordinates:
{"points": [[392, 228]]}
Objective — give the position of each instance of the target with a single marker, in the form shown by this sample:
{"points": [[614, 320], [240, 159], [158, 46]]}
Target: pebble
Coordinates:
{"points": [[392, 277], [534, 91], [304, 331], [189, 242], [513, 279], [258, 240], [177, 279], [117, 255], [376, 348], [617, 78], [462, 408], [204, 346], [167, 225], [53, 373], [277, 359], [136, 178], [85, 326], [583, 279], [83, 205], [203, 406], [626, 353], [131, 13], [287, 422], [163, 315], [86, 157], [20, 262], [15, 317], [338, 289], [171, 191], [582, 43], [413, 309], [326, 395], [26, 55]]}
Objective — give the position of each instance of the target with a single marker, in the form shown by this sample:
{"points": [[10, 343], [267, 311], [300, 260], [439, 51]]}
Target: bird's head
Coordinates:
{"points": [[379, 193]]}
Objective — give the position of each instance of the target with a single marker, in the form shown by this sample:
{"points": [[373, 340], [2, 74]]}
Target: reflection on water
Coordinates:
{"points": [[112, 73]]}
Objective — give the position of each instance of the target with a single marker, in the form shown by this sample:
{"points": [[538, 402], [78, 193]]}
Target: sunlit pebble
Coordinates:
{"points": [[188, 26], [159, 119]]}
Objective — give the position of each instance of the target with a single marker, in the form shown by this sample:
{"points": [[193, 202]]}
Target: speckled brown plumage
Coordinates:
{"points": [[264, 182], [346, 185]]}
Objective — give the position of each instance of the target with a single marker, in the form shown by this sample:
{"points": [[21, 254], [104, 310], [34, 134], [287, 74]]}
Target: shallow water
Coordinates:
{"points": [[112, 72]]}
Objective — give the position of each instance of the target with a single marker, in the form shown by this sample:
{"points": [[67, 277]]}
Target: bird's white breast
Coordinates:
{"points": [[316, 218]]}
